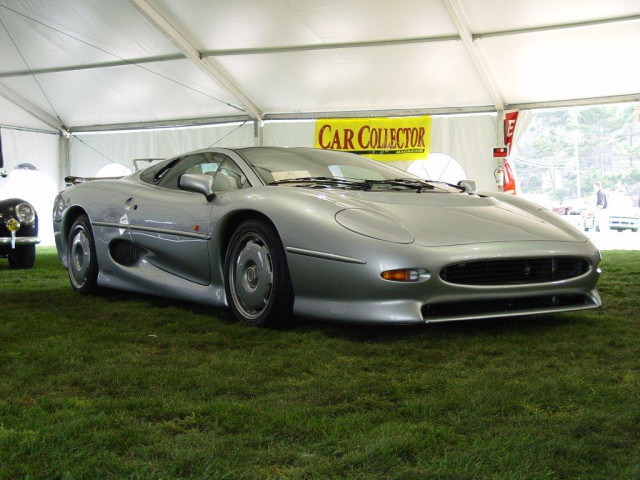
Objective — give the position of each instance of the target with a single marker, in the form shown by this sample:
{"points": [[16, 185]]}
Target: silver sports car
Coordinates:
{"points": [[275, 233]]}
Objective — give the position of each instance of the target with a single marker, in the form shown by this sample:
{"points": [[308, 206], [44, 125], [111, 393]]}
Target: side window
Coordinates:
{"points": [[152, 173], [229, 177], [201, 163]]}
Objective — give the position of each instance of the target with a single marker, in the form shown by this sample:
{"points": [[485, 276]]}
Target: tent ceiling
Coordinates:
{"points": [[140, 62]]}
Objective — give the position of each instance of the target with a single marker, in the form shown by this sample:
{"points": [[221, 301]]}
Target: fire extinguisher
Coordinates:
{"points": [[498, 173]]}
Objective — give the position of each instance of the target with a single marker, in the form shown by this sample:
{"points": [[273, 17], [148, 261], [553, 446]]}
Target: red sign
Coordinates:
{"points": [[499, 152], [510, 120]]}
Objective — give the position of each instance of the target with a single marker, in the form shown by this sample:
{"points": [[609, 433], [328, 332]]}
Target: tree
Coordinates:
{"points": [[608, 140]]}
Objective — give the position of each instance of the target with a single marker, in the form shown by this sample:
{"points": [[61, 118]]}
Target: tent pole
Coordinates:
{"points": [[500, 129], [208, 65], [32, 109], [65, 167], [258, 127]]}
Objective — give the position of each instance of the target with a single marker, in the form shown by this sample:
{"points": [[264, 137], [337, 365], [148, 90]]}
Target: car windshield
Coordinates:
{"points": [[327, 168]]}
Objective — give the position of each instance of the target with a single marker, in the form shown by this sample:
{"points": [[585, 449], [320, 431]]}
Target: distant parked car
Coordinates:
{"points": [[624, 221], [618, 222], [18, 232]]}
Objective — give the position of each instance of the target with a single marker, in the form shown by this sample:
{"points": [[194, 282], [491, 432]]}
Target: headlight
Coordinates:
{"points": [[25, 213]]}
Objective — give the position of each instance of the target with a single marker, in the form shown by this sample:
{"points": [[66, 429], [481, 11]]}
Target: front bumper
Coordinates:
{"points": [[624, 223], [20, 240], [355, 292]]}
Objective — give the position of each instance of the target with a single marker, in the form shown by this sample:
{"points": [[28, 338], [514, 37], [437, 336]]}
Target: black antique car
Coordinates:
{"points": [[18, 226], [18, 232]]}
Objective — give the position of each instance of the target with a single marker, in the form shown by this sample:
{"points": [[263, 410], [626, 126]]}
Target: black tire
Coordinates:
{"points": [[257, 282], [23, 256], [82, 262]]}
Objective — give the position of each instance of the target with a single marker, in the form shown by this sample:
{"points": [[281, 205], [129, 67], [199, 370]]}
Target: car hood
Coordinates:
{"points": [[439, 219]]}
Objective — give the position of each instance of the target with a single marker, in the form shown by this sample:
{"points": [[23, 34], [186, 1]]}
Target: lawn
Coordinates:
{"points": [[120, 385]]}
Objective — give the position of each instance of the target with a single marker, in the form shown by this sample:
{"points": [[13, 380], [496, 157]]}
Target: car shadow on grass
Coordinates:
{"points": [[357, 333], [380, 333], [465, 328]]}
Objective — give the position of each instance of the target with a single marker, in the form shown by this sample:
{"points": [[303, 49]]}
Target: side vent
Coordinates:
{"points": [[125, 253]]}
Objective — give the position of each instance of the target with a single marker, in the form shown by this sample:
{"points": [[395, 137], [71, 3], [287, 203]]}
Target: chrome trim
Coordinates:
{"points": [[324, 256], [514, 313], [199, 236], [20, 240], [109, 224]]}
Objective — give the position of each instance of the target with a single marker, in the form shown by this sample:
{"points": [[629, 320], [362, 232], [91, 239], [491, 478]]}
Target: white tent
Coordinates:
{"points": [[97, 64], [76, 67]]}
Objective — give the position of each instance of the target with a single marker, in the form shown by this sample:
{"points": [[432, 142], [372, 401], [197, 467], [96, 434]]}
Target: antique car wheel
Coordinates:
{"points": [[24, 256], [82, 263], [257, 282]]}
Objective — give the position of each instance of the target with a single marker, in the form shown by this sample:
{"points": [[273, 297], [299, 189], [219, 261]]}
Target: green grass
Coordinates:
{"points": [[119, 385]]}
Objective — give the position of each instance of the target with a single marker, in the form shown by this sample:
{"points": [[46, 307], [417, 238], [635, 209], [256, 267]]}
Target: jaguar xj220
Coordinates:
{"points": [[280, 233]]}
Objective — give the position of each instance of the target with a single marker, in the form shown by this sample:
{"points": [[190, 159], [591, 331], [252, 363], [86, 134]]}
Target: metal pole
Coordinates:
{"points": [[575, 146], [65, 167], [258, 133]]}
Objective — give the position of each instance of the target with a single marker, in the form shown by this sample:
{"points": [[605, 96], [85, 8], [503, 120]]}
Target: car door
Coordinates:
{"points": [[174, 226]]}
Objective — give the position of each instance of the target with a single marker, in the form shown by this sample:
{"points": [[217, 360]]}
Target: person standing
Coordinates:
{"points": [[602, 215]]}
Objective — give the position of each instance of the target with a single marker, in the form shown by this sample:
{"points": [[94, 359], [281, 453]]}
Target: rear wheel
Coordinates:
{"points": [[82, 263], [23, 256], [257, 282]]}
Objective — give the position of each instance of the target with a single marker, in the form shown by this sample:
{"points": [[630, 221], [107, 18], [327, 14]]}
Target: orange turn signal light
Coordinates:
{"points": [[405, 275], [401, 275]]}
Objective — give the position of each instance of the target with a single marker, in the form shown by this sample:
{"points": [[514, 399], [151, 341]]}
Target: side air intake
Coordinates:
{"points": [[125, 253]]}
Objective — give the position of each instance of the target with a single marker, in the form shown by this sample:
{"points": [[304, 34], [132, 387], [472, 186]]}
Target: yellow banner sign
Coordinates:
{"points": [[384, 139]]}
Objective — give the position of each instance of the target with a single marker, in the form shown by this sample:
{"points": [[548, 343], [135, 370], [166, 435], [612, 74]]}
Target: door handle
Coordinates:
{"points": [[128, 203]]}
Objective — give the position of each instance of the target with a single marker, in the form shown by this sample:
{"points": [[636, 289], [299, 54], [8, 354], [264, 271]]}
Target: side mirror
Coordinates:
{"points": [[192, 182], [468, 185]]}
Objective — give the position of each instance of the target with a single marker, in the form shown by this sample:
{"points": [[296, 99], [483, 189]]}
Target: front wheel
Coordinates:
{"points": [[257, 282], [82, 262], [23, 256]]}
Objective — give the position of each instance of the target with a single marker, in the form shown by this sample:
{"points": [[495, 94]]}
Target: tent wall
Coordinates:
{"points": [[468, 139], [90, 152]]}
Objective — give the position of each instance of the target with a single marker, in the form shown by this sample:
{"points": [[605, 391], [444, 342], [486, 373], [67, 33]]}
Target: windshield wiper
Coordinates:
{"points": [[417, 185], [327, 182], [458, 187]]}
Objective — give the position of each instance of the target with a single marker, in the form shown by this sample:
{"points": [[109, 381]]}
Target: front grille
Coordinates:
{"points": [[516, 271], [501, 307]]}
